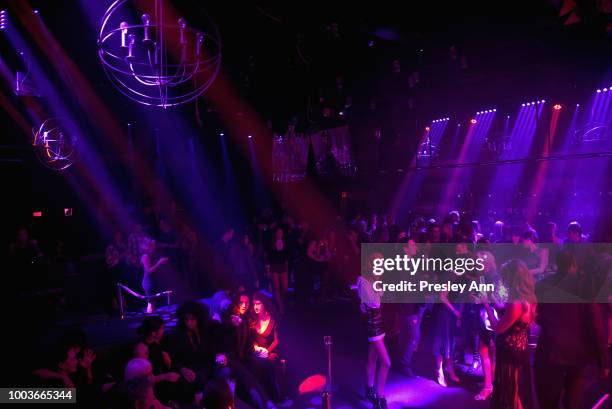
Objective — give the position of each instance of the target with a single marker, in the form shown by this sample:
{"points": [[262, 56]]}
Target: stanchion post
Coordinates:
{"points": [[326, 397], [120, 299]]}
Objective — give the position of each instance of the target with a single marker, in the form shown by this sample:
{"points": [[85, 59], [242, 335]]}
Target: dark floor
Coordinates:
{"points": [[307, 357]]}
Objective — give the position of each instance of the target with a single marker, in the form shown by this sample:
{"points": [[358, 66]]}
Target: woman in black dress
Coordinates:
{"points": [[486, 336], [278, 261], [264, 340], [512, 383], [237, 338]]}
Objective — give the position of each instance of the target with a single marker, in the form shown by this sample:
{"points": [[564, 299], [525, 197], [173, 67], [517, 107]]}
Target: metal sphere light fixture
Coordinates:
{"points": [[156, 59], [54, 146]]}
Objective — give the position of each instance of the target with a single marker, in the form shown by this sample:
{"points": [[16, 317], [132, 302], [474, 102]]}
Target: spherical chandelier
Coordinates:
{"points": [[54, 146], [156, 59]]}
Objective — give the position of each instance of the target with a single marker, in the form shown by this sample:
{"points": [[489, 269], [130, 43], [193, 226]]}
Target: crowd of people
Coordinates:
{"points": [[211, 362], [557, 295], [228, 351]]}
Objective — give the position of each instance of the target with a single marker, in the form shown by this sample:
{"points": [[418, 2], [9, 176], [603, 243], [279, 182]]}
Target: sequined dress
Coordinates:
{"points": [[512, 373]]}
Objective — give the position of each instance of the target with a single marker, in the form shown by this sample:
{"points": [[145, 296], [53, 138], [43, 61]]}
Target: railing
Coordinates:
{"points": [[121, 288]]}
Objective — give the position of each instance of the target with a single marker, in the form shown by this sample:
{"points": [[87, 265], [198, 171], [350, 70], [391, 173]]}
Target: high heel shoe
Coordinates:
{"points": [[370, 394], [381, 403], [440, 379], [484, 393]]}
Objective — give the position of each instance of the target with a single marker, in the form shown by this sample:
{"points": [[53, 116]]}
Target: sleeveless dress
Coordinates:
{"points": [[512, 371]]}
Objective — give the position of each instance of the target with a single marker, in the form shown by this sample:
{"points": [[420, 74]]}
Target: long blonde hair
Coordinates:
{"points": [[519, 282]]}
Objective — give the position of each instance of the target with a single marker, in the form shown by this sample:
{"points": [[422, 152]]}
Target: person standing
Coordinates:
{"points": [[151, 265], [377, 351], [565, 365], [512, 383], [278, 261]]}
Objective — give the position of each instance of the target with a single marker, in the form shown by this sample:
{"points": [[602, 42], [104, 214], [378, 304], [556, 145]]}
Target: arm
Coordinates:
{"points": [[86, 361], [444, 299], [146, 264], [513, 312], [53, 375], [274, 343], [541, 268], [141, 351]]}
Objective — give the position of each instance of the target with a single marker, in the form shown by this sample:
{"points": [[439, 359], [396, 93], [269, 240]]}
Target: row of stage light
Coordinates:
{"points": [[474, 120]]}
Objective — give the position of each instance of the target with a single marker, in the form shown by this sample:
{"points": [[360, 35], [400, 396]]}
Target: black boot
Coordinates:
{"points": [[381, 403], [370, 394]]}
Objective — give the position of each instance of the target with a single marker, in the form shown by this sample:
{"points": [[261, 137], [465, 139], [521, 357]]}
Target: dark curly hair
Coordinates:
{"points": [[199, 310], [236, 301], [150, 325]]}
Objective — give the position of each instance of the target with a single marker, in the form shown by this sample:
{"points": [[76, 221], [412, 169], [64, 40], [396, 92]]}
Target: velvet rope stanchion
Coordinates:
{"points": [[121, 288]]}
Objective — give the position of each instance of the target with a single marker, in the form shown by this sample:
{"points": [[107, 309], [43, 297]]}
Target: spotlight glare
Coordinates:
{"points": [[473, 121], [221, 134], [250, 136], [598, 91], [427, 129], [557, 107], [523, 105], [605, 90]]}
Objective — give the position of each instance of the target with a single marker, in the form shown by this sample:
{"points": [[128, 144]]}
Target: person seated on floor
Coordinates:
{"points": [[72, 347], [236, 322], [149, 347], [138, 386], [67, 367], [193, 346], [266, 361], [218, 395], [239, 350]]}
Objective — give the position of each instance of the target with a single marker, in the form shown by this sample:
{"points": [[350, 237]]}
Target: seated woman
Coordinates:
{"points": [[264, 340], [149, 347], [239, 350]]}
